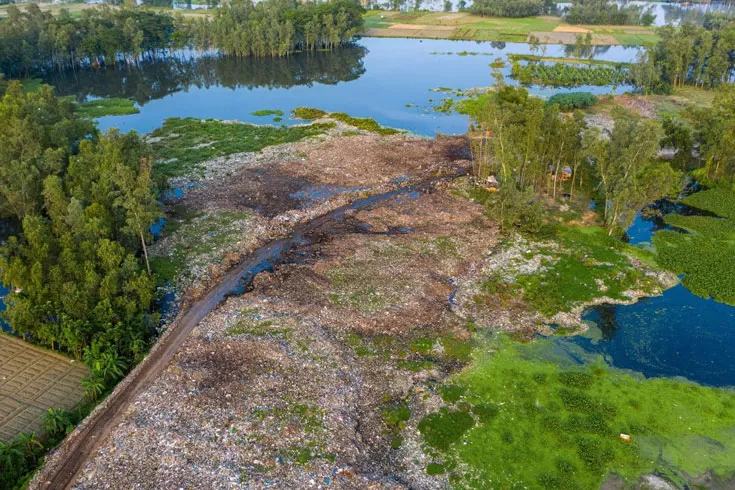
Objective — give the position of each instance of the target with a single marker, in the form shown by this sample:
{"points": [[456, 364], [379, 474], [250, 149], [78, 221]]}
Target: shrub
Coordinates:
{"points": [[573, 100]]}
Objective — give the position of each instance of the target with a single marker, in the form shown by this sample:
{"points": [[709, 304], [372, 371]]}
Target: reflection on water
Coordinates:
{"points": [[676, 334], [154, 79], [389, 80]]}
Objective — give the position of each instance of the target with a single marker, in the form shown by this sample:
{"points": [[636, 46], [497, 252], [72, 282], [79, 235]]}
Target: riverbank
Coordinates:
{"points": [[470, 27]]}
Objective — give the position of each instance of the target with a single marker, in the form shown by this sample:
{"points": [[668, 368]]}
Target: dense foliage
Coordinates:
{"points": [[689, 55], [527, 144], [530, 416], [705, 255], [572, 100], [712, 131], [277, 27], [602, 12], [31, 40], [508, 8], [84, 203], [568, 74]]}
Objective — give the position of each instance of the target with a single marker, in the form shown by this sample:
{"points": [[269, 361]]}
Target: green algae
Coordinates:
{"points": [[531, 416], [704, 254]]}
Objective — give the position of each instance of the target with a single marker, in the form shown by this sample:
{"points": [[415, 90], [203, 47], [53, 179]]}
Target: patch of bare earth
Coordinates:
{"points": [[285, 386]]}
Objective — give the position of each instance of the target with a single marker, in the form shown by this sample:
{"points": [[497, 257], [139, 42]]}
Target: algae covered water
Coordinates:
{"points": [[677, 334]]}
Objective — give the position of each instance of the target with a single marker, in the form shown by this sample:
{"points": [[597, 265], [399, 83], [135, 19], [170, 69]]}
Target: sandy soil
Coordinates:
{"points": [[574, 29]]}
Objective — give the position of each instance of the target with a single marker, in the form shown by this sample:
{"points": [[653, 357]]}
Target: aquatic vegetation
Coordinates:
{"points": [[578, 61], [308, 113], [363, 123], [113, 106], [705, 254], [572, 100], [530, 416], [568, 74], [180, 144], [267, 112]]}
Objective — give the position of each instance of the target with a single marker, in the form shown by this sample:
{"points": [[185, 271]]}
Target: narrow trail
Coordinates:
{"points": [[83, 443]]}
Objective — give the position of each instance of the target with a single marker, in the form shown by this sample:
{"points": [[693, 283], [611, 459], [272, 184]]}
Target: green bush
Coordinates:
{"points": [[573, 100]]}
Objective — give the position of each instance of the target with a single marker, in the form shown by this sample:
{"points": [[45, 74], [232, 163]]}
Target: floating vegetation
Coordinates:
{"points": [[578, 61], [113, 106], [705, 254], [180, 144], [267, 112], [363, 123], [517, 420], [568, 74]]}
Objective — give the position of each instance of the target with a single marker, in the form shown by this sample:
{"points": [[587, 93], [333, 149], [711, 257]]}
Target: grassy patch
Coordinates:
{"points": [[181, 144], [113, 106], [363, 123], [586, 264], [536, 424], [195, 239], [705, 254], [267, 112], [308, 113], [250, 323]]}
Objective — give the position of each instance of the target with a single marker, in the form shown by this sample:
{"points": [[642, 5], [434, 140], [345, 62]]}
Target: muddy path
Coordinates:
{"points": [[87, 439]]}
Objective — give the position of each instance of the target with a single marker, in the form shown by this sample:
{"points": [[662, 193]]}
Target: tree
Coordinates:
{"points": [[629, 173], [56, 422]]}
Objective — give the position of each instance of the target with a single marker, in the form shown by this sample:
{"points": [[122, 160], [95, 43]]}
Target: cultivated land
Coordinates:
{"points": [[32, 380], [465, 26]]}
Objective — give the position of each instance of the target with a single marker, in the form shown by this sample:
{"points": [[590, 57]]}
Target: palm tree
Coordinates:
{"points": [[56, 421]]}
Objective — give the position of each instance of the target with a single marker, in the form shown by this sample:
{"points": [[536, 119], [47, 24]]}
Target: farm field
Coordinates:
{"points": [[32, 380], [469, 27]]}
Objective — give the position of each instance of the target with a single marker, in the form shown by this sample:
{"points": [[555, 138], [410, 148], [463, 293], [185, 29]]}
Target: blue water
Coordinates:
{"points": [[677, 334], [377, 79]]}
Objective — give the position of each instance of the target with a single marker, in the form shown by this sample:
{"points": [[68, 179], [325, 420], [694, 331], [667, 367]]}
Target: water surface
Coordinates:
{"points": [[390, 80]]}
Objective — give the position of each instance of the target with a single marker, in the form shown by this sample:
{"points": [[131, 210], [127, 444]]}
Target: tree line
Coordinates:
{"points": [[603, 12], [534, 150], [276, 28], [512, 8], [688, 55], [32, 41], [82, 203]]}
